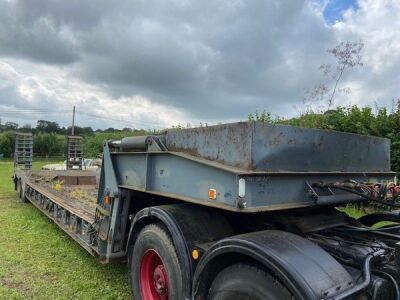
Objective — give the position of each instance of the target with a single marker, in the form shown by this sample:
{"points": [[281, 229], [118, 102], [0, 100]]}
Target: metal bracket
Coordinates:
{"points": [[154, 144], [326, 196]]}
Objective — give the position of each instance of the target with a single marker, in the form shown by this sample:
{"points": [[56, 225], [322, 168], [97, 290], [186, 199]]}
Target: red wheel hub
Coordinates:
{"points": [[153, 277]]}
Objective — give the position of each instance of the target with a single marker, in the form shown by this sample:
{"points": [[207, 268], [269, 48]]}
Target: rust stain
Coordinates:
{"points": [[291, 142]]}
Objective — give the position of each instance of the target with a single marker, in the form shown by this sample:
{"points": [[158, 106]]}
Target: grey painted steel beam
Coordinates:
{"points": [[74, 224], [256, 146], [189, 179]]}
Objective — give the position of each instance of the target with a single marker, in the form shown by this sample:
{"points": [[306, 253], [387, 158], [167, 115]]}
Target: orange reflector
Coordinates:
{"points": [[195, 254], [212, 194], [107, 200]]}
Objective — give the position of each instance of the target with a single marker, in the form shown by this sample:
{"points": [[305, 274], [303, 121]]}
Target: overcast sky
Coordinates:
{"points": [[148, 63]]}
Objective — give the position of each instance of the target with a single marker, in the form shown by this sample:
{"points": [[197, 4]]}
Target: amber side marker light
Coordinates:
{"points": [[195, 254], [107, 200], [212, 194]]}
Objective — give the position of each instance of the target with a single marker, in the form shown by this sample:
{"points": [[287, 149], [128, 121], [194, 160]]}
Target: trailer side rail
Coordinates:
{"points": [[76, 224]]}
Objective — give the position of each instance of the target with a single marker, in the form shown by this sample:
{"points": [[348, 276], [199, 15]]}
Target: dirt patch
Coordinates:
{"points": [[16, 285]]}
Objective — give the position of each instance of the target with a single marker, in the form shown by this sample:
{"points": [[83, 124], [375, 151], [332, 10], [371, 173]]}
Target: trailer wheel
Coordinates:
{"points": [[155, 268], [246, 282], [20, 191]]}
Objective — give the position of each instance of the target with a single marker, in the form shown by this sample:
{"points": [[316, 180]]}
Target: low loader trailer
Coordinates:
{"points": [[237, 211]]}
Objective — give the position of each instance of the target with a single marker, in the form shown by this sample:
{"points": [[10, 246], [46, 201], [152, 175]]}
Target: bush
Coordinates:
{"points": [[7, 143], [49, 144], [93, 145]]}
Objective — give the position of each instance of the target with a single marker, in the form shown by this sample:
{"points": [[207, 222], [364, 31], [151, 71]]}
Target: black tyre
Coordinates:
{"points": [[246, 282], [155, 267]]}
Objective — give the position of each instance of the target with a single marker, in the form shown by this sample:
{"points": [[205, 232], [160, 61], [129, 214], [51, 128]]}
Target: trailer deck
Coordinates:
{"points": [[60, 197]]}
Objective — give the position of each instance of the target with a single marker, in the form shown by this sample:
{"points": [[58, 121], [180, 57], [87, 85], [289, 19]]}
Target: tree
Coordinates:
{"points": [[347, 56], [48, 144], [110, 129], [25, 128], [80, 130], [10, 126], [7, 142], [47, 126]]}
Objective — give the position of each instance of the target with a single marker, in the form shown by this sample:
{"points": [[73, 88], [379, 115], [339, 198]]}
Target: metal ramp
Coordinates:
{"points": [[75, 152], [23, 151]]}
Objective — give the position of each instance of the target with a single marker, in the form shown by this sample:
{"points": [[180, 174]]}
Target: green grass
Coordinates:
{"points": [[39, 261], [356, 213]]}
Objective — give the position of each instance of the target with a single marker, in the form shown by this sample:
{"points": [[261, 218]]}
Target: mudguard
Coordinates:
{"points": [[303, 267]]}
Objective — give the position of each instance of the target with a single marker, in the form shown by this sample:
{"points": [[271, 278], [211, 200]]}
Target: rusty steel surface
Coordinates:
{"points": [[251, 166], [77, 180], [79, 208], [75, 196], [228, 144], [86, 180], [259, 146], [67, 180]]}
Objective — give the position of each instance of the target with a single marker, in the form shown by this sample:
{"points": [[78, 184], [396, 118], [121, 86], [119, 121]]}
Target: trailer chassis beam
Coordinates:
{"points": [[72, 224]]}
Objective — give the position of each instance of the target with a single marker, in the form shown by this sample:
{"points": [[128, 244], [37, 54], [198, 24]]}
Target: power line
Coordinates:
{"points": [[32, 111], [45, 111], [141, 123]]}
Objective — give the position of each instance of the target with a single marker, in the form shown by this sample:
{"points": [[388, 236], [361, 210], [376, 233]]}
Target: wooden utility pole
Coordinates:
{"points": [[73, 121]]}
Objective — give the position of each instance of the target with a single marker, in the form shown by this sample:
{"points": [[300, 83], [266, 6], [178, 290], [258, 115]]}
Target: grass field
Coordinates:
{"points": [[39, 261]]}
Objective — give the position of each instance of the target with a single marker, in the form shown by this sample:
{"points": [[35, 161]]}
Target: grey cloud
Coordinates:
{"points": [[214, 60], [38, 39], [80, 15]]}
